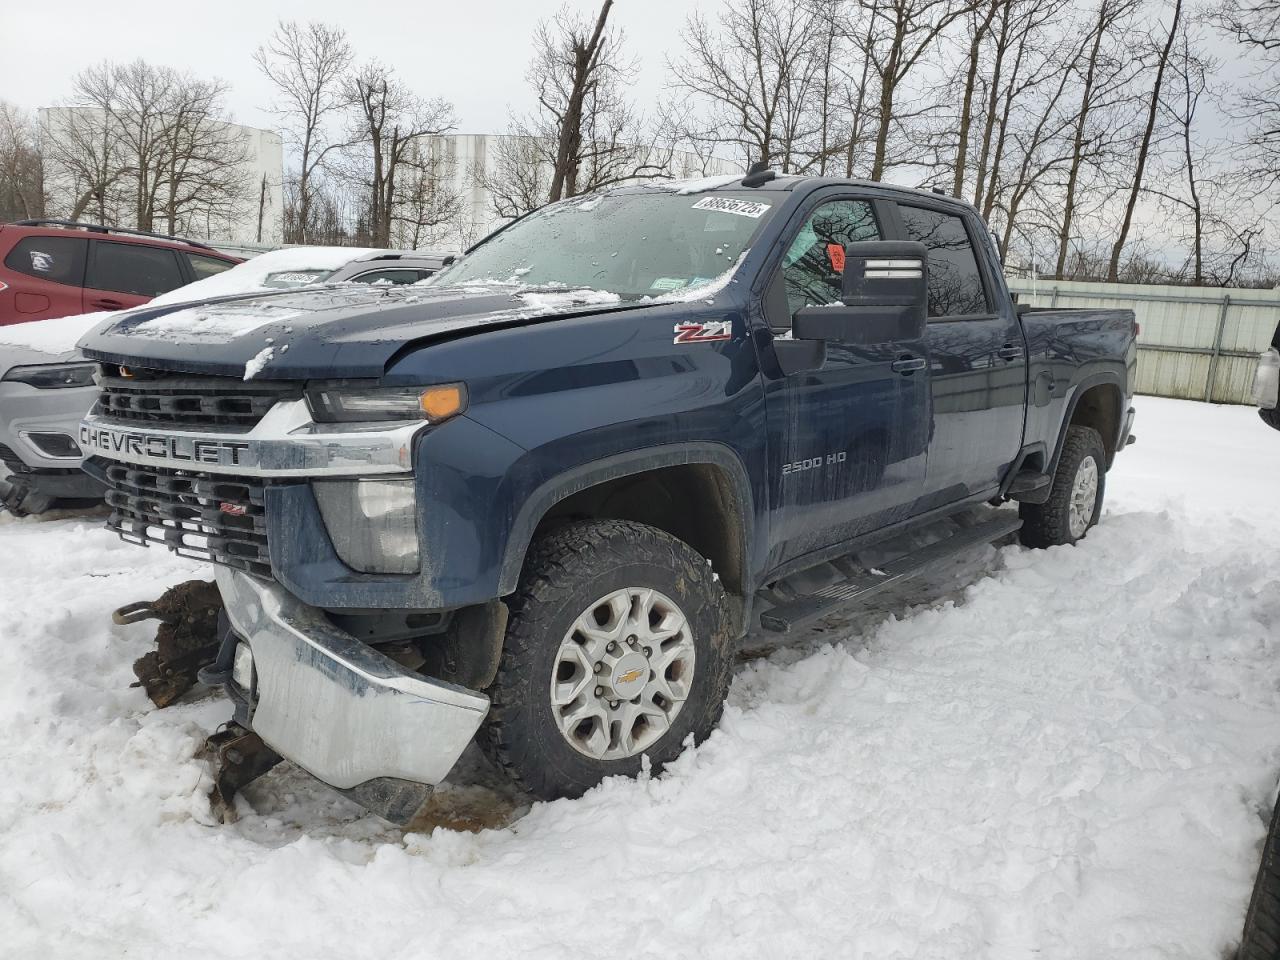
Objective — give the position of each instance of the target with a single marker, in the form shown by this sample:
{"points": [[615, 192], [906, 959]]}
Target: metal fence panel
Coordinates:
{"points": [[1196, 343]]}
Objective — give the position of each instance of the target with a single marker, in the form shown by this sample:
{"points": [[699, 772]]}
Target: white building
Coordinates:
{"points": [[83, 148]]}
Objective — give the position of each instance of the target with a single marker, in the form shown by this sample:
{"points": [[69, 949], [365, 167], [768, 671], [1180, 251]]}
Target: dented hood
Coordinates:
{"points": [[348, 330]]}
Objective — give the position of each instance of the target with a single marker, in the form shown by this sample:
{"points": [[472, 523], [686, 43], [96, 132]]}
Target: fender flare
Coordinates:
{"points": [[631, 463], [1083, 386]]}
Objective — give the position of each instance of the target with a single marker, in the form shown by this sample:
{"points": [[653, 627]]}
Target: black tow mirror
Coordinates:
{"points": [[883, 296]]}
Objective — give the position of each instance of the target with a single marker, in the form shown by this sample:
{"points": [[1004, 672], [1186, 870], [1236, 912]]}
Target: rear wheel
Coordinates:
{"points": [[1075, 498], [617, 648]]}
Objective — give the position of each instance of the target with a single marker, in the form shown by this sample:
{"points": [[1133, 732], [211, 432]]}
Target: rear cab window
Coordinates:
{"points": [[133, 268], [57, 259], [955, 282]]}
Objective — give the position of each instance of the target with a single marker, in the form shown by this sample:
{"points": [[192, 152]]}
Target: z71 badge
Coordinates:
{"points": [[703, 332]]}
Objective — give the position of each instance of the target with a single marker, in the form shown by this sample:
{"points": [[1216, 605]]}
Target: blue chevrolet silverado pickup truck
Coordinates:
{"points": [[540, 497]]}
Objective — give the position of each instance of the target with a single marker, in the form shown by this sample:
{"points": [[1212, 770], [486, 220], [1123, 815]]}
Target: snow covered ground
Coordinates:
{"points": [[1054, 754]]}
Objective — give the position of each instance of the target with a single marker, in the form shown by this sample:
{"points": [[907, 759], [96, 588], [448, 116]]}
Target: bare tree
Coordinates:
{"points": [[387, 118], [520, 180], [753, 67], [1102, 82], [1255, 25], [147, 145], [306, 64], [1144, 143], [595, 136], [21, 165], [427, 205], [979, 20], [901, 34]]}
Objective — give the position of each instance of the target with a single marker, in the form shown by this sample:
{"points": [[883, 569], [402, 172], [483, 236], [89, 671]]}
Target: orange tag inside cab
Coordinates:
{"points": [[835, 252]]}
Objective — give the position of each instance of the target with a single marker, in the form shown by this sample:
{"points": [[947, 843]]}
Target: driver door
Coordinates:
{"points": [[847, 442]]}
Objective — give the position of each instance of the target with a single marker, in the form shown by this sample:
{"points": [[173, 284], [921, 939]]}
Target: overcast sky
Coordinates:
{"points": [[473, 53]]}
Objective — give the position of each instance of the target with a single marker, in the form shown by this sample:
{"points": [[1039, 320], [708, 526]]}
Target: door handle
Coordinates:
{"points": [[106, 303], [1009, 352], [908, 365]]}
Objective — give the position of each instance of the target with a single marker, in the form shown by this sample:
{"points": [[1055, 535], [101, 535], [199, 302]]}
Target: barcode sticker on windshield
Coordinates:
{"points": [[742, 208]]}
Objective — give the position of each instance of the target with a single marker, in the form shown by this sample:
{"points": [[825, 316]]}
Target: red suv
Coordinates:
{"points": [[58, 268]]}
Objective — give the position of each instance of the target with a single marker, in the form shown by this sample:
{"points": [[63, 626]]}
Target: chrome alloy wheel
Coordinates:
{"points": [[1084, 497], [622, 673]]}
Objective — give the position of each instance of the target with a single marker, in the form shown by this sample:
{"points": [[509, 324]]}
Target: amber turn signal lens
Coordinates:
{"points": [[441, 403]]}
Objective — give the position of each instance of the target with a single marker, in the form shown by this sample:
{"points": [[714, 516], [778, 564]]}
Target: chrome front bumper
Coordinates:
{"points": [[336, 707]]}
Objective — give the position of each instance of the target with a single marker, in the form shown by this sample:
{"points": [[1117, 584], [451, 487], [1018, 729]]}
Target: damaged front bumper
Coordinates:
{"points": [[336, 707]]}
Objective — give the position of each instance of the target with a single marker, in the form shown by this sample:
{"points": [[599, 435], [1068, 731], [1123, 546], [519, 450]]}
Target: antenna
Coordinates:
{"points": [[757, 174]]}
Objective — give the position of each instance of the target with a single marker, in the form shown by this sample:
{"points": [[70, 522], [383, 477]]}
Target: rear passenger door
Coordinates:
{"points": [[977, 359], [124, 275]]}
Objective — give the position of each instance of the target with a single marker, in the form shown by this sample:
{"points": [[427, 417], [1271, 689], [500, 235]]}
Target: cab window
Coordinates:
{"points": [[814, 262], [955, 286], [59, 259], [133, 268]]}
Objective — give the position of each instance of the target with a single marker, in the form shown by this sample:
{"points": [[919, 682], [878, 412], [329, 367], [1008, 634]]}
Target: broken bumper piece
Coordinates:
{"points": [[337, 708]]}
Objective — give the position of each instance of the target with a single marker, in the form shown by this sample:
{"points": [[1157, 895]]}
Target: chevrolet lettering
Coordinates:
{"points": [[179, 449]]}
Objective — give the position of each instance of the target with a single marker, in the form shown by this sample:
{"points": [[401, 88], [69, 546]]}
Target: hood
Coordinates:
{"points": [[341, 330], [14, 356]]}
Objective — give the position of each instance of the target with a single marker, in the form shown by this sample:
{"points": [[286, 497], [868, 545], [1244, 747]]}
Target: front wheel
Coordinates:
{"points": [[1075, 499], [617, 648]]}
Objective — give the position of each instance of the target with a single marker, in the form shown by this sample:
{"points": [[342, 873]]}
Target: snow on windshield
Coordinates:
{"points": [[635, 245]]}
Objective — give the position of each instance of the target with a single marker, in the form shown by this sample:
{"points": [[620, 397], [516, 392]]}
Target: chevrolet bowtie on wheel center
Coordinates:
{"points": [[539, 498]]}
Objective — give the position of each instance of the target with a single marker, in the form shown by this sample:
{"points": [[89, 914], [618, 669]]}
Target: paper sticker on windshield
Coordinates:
{"points": [[742, 208], [668, 283], [41, 262]]}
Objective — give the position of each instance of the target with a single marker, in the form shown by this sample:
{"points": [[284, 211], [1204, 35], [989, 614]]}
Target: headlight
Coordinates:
{"points": [[52, 376], [352, 404], [373, 524]]}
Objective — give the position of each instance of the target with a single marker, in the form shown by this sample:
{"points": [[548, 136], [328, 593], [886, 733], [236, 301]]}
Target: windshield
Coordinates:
{"points": [[633, 245]]}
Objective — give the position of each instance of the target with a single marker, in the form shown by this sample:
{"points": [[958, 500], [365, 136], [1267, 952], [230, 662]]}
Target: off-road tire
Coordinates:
{"points": [[565, 572], [1261, 937], [1048, 524]]}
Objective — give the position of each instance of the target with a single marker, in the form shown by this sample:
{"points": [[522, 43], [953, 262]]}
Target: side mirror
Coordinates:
{"points": [[883, 297]]}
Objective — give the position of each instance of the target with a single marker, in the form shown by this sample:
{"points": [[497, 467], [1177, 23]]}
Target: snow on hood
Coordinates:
{"points": [[55, 336], [217, 322], [554, 300]]}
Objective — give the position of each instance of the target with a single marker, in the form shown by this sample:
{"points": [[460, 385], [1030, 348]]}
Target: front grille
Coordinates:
{"points": [[154, 397], [195, 515]]}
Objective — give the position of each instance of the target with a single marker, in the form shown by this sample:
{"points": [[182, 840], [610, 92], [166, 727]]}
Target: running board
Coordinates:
{"points": [[787, 616]]}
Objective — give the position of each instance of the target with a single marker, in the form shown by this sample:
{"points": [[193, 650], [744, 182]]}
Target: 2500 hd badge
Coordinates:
{"points": [[127, 443]]}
